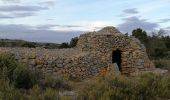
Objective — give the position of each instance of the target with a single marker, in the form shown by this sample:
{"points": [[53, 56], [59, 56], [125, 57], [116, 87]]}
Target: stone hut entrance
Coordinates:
{"points": [[116, 58]]}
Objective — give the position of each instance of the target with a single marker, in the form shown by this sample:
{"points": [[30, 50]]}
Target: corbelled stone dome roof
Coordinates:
{"points": [[110, 30]]}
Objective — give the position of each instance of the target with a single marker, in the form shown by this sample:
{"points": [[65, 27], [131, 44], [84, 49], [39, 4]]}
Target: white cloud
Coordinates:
{"points": [[131, 23], [94, 25], [30, 33], [48, 3], [20, 8], [165, 20], [19, 11], [131, 11], [10, 1], [81, 26]]}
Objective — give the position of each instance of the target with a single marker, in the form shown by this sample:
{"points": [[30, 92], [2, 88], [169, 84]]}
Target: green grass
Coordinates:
{"points": [[144, 87]]}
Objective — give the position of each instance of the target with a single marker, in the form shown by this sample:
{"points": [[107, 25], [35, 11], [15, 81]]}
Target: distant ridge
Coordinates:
{"points": [[23, 43]]}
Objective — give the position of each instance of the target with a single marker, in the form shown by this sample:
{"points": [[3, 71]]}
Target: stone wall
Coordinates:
{"points": [[92, 56]]}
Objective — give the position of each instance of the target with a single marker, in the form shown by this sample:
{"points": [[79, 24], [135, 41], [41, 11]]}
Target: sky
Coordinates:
{"points": [[60, 20]]}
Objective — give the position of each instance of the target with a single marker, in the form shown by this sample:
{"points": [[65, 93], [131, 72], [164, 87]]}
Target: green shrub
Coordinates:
{"points": [[7, 66], [159, 52], [36, 93], [64, 45], [51, 94], [168, 54], [162, 63], [29, 45], [57, 83], [73, 42], [9, 92], [24, 78], [144, 87], [17, 73]]}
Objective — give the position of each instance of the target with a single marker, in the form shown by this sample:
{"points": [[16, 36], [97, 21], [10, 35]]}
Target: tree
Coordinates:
{"points": [[73, 42], [141, 35], [157, 45], [167, 42], [126, 34], [161, 33], [64, 45], [29, 45]]}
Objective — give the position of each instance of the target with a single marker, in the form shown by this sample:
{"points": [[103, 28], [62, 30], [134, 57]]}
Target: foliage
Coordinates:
{"points": [[22, 84], [157, 45], [29, 45], [73, 42], [144, 87], [21, 43], [162, 63], [51, 94], [64, 45], [24, 78], [16, 73], [166, 39], [29, 85], [55, 83], [9, 92], [7, 66], [51, 46], [140, 34]]}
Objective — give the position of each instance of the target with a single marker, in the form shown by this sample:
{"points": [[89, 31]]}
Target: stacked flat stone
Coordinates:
{"points": [[92, 56]]}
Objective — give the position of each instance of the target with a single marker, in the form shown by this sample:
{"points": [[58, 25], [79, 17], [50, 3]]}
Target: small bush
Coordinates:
{"points": [[162, 63], [9, 92], [36, 93], [159, 64], [144, 87], [159, 53], [29, 45], [24, 78], [168, 55], [73, 42], [16, 73], [58, 83], [64, 45], [51, 94], [7, 66], [20, 83]]}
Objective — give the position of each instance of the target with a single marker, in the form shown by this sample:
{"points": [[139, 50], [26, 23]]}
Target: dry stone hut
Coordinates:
{"points": [[96, 53], [110, 46]]}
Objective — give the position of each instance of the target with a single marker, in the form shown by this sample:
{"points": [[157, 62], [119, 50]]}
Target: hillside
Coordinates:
{"points": [[22, 43]]}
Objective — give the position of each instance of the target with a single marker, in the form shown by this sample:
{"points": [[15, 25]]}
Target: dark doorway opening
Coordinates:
{"points": [[116, 58]]}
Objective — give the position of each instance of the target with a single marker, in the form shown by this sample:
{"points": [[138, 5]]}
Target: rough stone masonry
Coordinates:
{"points": [[95, 53]]}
